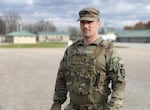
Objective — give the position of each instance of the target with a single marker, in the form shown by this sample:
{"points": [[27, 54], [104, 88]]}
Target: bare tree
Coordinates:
{"points": [[138, 26], [74, 32], [2, 26], [147, 25], [12, 20], [45, 26], [41, 26], [128, 28]]}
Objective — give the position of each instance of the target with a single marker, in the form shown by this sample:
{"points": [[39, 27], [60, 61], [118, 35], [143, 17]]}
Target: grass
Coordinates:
{"points": [[42, 45], [37, 45], [121, 47]]}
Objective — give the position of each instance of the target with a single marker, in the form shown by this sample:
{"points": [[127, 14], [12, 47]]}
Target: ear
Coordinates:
{"points": [[99, 23]]}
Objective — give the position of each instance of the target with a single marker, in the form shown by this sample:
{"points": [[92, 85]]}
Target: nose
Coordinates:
{"points": [[85, 25]]}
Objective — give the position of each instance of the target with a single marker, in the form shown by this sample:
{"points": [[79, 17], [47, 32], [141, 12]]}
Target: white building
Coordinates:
{"points": [[22, 37], [2, 38], [52, 36]]}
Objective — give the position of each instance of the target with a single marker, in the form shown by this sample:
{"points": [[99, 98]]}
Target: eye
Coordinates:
{"points": [[90, 22], [86, 22]]}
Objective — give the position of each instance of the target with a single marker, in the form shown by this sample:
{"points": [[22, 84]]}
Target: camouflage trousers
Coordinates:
{"points": [[75, 107]]}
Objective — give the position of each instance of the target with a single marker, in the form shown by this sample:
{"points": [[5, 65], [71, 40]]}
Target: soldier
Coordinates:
{"points": [[90, 71]]}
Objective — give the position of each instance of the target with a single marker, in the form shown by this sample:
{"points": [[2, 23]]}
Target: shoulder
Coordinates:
{"points": [[75, 44], [106, 44]]}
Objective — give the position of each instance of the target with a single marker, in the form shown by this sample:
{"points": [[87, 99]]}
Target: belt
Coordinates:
{"points": [[87, 107]]}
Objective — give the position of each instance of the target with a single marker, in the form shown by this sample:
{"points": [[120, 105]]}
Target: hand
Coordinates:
{"points": [[56, 106]]}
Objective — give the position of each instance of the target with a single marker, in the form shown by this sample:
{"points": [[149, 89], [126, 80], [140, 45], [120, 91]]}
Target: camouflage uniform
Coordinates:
{"points": [[93, 75]]}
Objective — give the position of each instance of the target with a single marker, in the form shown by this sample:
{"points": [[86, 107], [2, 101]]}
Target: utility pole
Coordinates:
{"points": [[105, 27], [19, 28]]}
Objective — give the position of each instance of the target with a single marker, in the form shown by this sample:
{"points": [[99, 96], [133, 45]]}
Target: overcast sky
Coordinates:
{"points": [[116, 13]]}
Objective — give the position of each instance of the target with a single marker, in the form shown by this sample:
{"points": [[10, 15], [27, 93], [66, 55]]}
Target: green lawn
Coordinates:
{"points": [[37, 45], [41, 45]]}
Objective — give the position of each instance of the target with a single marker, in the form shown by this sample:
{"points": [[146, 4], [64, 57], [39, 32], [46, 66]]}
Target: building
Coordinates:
{"points": [[52, 36], [21, 37], [2, 38], [136, 36]]}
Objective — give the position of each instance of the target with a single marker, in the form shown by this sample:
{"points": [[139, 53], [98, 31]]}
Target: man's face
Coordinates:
{"points": [[89, 28]]}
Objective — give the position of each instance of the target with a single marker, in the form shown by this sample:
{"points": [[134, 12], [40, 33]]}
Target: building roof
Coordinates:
{"points": [[52, 33], [131, 33], [21, 33]]}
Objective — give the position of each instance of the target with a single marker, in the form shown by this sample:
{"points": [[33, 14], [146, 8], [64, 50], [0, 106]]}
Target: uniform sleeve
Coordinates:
{"points": [[117, 72], [60, 93]]}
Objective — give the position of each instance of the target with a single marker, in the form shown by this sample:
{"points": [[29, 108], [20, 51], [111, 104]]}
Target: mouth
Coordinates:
{"points": [[86, 30]]}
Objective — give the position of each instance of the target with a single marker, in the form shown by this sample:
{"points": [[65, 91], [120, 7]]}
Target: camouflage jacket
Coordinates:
{"points": [[91, 74]]}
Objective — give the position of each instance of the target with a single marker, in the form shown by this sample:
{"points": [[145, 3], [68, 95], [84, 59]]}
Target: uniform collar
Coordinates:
{"points": [[96, 42]]}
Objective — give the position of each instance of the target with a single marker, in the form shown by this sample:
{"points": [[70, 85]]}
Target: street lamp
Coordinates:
{"points": [[19, 28]]}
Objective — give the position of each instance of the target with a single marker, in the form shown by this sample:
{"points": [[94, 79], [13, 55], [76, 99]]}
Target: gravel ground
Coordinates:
{"points": [[27, 77]]}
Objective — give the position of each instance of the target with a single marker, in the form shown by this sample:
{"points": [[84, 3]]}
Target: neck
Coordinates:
{"points": [[89, 40]]}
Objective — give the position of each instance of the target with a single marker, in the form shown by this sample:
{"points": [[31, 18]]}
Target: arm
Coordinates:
{"points": [[60, 93], [117, 72]]}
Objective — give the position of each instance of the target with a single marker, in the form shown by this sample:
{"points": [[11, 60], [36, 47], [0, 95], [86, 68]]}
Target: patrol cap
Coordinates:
{"points": [[89, 14]]}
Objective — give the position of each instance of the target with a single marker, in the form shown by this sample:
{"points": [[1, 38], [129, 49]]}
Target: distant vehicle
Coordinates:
{"points": [[109, 36], [70, 42]]}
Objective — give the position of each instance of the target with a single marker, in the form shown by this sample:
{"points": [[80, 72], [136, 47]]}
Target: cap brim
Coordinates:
{"points": [[87, 19]]}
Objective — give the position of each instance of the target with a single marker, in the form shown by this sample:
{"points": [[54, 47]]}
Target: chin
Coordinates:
{"points": [[86, 36]]}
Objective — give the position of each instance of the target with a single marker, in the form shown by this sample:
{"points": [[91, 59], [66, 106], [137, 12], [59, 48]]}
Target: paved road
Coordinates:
{"points": [[27, 77]]}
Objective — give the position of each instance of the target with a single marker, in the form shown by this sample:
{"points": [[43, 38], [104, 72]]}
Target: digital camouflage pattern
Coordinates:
{"points": [[89, 14], [93, 75]]}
